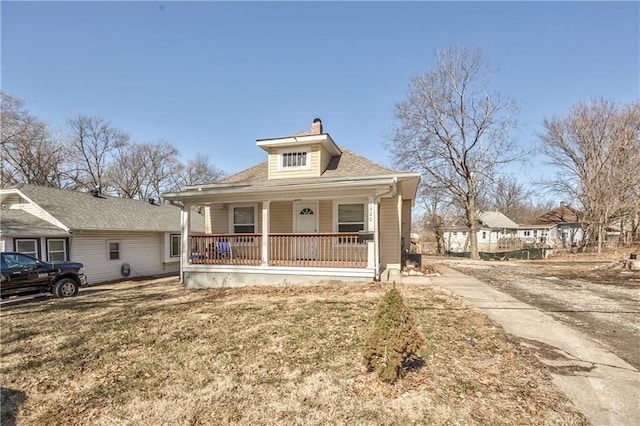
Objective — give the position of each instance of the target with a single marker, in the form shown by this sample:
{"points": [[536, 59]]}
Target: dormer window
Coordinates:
{"points": [[295, 160]]}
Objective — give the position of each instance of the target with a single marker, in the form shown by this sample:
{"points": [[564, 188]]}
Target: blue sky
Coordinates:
{"points": [[213, 77]]}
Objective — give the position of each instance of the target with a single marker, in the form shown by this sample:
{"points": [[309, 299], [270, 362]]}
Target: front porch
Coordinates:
{"points": [[227, 260]]}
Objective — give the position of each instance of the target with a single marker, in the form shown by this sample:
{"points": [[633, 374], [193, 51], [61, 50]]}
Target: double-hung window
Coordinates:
{"points": [[56, 250], [244, 219], [175, 243], [27, 246], [113, 249], [350, 217]]}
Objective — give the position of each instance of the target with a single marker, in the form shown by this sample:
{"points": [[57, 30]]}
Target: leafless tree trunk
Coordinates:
{"points": [[454, 131], [596, 150]]}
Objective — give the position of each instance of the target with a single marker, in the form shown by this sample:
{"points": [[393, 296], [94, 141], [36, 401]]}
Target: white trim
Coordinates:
{"points": [[266, 205], [283, 270], [324, 139], [185, 230]]}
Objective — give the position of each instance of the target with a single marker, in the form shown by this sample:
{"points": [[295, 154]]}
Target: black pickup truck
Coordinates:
{"points": [[23, 274]]}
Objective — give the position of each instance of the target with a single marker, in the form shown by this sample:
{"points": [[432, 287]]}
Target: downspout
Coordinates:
{"points": [[376, 235]]}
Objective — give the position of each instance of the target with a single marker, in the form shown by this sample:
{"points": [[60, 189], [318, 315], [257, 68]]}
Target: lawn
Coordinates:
{"points": [[152, 353]]}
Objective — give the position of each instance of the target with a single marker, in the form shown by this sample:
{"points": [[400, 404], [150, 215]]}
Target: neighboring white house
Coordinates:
{"points": [[312, 212], [560, 228], [113, 237], [535, 235], [495, 232]]}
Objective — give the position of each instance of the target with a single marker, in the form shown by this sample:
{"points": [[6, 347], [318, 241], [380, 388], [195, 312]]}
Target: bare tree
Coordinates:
{"points": [[145, 171], [454, 130], [511, 198], [596, 151], [161, 162], [94, 143], [198, 170], [29, 152]]}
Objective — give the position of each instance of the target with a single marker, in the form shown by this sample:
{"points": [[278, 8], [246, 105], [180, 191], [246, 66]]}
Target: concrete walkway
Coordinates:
{"points": [[601, 385]]}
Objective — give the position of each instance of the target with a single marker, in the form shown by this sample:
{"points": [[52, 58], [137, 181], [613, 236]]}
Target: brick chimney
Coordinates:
{"points": [[316, 127]]}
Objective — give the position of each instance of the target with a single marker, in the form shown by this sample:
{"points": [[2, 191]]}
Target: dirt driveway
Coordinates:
{"points": [[598, 298]]}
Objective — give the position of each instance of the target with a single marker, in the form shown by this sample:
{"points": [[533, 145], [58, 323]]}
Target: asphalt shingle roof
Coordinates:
{"points": [[496, 220], [562, 214], [347, 165], [20, 222], [83, 211]]}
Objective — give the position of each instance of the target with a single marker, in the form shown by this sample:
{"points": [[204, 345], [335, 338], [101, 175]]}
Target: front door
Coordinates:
{"points": [[305, 247]]}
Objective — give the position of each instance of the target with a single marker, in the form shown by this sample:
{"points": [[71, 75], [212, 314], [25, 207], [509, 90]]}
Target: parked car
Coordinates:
{"points": [[23, 274]]}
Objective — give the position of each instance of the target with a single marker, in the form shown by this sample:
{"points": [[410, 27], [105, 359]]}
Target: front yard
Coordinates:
{"points": [[154, 353]]}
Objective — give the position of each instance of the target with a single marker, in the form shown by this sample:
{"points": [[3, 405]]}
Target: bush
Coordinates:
{"points": [[393, 339]]}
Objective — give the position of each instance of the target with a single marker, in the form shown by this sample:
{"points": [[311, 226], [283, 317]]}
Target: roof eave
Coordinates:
{"points": [[322, 138], [249, 189]]}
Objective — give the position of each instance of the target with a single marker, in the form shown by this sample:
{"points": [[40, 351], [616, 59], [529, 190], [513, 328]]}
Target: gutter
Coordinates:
{"points": [[376, 240], [199, 192]]}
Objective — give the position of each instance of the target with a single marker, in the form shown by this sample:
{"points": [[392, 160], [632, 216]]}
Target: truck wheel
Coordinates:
{"points": [[65, 287]]}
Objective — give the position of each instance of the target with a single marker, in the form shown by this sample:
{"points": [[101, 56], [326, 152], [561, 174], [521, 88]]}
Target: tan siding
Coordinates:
{"points": [[272, 163], [326, 216], [325, 159], [142, 251], [389, 232], [281, 216], [258, 213], [315, 162], [406, 223], [219, 219]]}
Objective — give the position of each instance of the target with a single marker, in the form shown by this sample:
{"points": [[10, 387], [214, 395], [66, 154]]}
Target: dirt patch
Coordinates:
{"points": [[595, 296]]}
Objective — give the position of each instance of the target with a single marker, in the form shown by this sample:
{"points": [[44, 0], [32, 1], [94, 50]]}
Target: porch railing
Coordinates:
{"points": [[330, 250], [322, 250], [226, 249]]}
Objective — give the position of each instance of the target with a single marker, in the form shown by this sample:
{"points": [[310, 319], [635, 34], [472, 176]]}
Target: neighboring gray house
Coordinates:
{"points": [[495, 232], [560, 228], [105, 233]]}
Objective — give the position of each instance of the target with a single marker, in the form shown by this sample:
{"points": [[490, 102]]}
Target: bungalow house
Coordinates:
{"points": [[495, 232], [312, 212], [113, 237], [558, 228]]}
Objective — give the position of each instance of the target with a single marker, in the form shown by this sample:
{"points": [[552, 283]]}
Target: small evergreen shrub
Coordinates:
{"points": [[393, 338]]}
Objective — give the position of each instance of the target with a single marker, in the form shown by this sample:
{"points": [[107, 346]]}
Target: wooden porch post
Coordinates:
{"points": [[372, 220], [400, 228], [185, 229], [265, 233]]}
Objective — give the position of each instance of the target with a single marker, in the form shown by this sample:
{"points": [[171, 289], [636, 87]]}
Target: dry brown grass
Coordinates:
{"points": [[154, 353]]}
